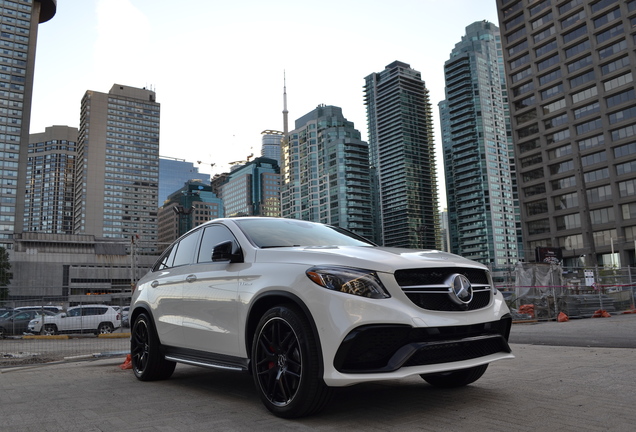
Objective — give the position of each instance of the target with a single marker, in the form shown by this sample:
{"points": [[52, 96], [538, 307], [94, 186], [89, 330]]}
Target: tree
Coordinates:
{"points": [[5, 274]]}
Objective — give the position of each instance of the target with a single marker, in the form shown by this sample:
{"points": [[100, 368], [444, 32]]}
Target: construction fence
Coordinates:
{"points": [[547, 291], [532, 291]]}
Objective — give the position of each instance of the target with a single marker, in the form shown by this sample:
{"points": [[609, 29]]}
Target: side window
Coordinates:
{"points": [[167, 259], [212, 236], [74, 312], [185, 249]]}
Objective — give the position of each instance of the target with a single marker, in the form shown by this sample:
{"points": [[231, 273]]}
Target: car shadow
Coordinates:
{"points": [[375, 402]]}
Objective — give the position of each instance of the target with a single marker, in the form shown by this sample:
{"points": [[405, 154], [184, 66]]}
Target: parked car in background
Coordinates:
{"points": [[17, 321], [125, 322], [98, 319], [306, 307], [54, 309]]}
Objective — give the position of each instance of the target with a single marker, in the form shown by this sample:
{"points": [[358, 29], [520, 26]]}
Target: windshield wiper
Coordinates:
{"points": [[278, 246]]}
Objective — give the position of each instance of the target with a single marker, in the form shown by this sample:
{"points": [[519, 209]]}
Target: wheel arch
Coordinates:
{"points": [[267, 300], [138, 310]]}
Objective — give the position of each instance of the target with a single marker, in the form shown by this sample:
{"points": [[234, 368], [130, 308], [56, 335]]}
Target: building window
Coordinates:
{"points": [[626, 168], [609, 33], [626, 132], [579, 48], [560, 151], [612, 49], [574, 34], [539, 227], [587, 110], [562, 167], [556, 121], [608, 17], [565, 201], [534, 190], [589, 126], [549, 77], [551, 46], [563, 183], [591, 142], [537, 207], [569, 5], [584, 94], [601, 216], [582, 79], [580, 63], [597, 175], [599, 194], [625, 114], [571, 20], [552, 91], [550, 61], [557, 136], [533, 175], [627, 188], [629, 211], [544, 34], [570, 221], [554, 106], [531, 160], [620, 98]]}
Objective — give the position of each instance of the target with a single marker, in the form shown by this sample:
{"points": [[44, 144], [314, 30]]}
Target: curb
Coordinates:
{"points": [[64, 337]]}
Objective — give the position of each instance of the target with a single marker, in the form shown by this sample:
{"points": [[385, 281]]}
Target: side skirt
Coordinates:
{"points": [[205, 359]]}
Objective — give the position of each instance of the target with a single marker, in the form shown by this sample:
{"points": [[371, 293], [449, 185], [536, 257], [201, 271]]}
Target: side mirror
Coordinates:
{"points": [[227, 251]]}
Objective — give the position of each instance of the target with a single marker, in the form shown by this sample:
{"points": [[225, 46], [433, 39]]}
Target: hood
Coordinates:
{"points": [[380, 259]]}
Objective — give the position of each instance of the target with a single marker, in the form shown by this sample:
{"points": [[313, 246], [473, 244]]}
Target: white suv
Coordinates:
{"points": [[305, 307], [98, 319]]}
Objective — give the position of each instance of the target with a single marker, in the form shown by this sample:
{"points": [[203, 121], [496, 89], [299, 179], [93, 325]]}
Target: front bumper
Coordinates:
{"points": [[387, 348]]}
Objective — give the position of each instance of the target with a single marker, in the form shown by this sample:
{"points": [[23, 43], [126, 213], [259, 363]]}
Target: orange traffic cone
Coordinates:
{"points": [[127, 363]]}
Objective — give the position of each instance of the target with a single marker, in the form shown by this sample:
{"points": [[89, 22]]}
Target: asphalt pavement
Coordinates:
{"points": [[548, 386]]}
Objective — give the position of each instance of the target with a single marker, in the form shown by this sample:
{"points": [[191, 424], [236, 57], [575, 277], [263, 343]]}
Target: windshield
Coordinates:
{"points": [[269, 233]]}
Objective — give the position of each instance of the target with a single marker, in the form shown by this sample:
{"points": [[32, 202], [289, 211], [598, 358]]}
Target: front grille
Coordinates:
{"points": [[428, 288], [384, 348]]}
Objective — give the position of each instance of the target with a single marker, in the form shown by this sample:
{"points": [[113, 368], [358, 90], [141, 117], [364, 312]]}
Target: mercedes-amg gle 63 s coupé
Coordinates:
{"points": [[305, 307]]}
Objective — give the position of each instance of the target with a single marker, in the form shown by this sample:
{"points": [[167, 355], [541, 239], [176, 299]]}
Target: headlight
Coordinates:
{"points": [[364, 283]]}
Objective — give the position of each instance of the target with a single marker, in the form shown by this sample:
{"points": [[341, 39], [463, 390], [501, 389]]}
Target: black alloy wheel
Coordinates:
{"points": [[148, 363], [286, 364]]}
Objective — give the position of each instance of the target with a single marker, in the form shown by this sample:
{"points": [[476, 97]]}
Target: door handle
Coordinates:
{"points": [[191, 278]]}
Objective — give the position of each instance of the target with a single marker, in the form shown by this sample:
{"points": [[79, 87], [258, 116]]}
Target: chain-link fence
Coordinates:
{"points": [[533, 292], [543, 291], [53, 328]]}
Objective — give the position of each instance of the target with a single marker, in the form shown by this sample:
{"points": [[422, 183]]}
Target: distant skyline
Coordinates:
{"points": [[217, 67]]}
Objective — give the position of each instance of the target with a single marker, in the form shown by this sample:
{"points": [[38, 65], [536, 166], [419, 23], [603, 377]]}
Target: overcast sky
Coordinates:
{"points": [[217, 65]]}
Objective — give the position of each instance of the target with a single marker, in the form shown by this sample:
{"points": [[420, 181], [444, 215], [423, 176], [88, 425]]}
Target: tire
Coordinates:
{"points": [[458, 378], [148, 363], [105, 328], [49, 329], [286, 366]]}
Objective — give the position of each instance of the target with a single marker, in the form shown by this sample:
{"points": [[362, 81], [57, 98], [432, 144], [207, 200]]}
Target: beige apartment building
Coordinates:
{"points": [[117, 174]]}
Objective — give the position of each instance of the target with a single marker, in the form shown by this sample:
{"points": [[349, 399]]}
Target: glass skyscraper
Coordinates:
{"points": [[271, 144], [252, 189], [325, 172], [570, 67], [175, 172], [18, 37], [478, 155], [402, 156]]}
